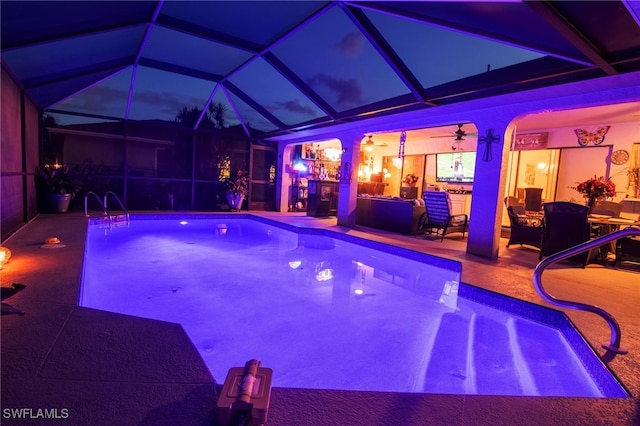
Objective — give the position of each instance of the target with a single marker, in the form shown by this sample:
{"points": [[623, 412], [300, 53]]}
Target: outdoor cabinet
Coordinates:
{"points": [[323, 198]]}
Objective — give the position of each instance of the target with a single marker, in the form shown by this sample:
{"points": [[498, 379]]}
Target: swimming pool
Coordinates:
{"points": [[332, 311]]}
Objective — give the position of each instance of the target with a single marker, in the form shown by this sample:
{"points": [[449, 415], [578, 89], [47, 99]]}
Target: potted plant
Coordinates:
{"points": [[57, 186], [237, 189]]}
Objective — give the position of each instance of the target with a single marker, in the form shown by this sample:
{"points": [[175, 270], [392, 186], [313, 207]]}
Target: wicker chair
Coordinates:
{"points": [[513, 201], [438, 217], [524, 229]]}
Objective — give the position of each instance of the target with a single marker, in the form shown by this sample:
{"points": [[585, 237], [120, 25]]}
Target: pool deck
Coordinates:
{"points": [[100, 368]]}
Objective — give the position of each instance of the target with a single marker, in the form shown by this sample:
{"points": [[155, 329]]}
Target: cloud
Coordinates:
{"points": [[162, 105], [100, 99], [348, 91], [295, 106], [351, 44]]}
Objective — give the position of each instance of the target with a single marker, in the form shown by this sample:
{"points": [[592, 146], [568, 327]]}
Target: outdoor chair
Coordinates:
{"points": [[513, 201], [438, 218], [628, 249], [564, 225], [609, 208], [524, 229], [533, 199]]}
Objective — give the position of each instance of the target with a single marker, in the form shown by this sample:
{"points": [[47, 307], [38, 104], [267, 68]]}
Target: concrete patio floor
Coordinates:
{"points": [[90, 367]]}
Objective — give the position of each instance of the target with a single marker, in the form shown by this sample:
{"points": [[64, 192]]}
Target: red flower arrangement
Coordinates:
{"points": [[410, 179], [596, 187]]}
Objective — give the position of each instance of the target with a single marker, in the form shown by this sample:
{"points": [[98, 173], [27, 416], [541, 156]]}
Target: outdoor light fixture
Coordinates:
{"points": [[5, 254]]}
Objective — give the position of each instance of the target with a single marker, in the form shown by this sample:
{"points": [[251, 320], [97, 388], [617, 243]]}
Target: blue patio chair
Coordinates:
{"points": [[438, 218]]}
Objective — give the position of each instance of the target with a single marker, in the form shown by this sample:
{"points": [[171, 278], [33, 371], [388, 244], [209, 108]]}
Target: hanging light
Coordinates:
{"points": [[369, 145], [458, 139]]}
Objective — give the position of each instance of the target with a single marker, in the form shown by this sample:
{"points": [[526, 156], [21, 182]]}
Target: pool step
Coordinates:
{"points": [[493, 358], [447, 369], [476, 354]]}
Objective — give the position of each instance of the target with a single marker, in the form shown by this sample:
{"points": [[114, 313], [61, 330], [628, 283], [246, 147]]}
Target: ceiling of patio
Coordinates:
{"points": [[279, 67]]}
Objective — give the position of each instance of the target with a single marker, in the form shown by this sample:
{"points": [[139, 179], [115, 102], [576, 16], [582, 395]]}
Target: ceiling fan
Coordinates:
{"points": [[370, 143], [458, 135]]}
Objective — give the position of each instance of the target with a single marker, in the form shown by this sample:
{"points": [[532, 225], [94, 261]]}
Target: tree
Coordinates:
{"points": [[213, 117]]}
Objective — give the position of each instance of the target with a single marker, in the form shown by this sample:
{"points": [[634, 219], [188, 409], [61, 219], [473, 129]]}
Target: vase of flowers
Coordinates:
{"points": [[411, 180], [594, 189], [237, 189]]}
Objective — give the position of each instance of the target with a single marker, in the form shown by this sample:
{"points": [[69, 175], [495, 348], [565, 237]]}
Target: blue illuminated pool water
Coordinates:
{"points": [[331, 311]]}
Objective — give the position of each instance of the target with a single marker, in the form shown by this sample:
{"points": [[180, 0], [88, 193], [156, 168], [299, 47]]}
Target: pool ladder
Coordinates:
{"points": [[614, 343], [105, 207]]}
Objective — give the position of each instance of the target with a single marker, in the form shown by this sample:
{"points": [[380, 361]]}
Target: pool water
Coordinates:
{"points": [[331, 311]]}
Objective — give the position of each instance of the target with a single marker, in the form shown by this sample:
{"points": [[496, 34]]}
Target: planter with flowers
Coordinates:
{"points": [[594, 189], [237, 189], [56, 186]]}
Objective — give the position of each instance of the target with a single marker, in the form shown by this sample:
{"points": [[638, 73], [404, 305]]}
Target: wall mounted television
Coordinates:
{"points": [[456, 167]]}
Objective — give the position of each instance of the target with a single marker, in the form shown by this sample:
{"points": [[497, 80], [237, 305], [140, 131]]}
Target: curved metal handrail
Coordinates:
{"points": [[115, 196], [103, 205], [614, 344]]}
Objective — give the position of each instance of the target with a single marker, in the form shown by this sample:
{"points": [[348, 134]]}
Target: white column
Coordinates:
{"points": [[348, 187], [485, 224], [283, 179]]}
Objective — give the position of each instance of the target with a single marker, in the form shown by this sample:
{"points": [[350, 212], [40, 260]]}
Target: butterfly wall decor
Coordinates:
{"points": [[585, 136]]}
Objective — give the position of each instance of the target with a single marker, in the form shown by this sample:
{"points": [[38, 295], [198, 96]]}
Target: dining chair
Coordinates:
{"points": [[627, 248], [565, 225], [533, 199], [609, 208]]}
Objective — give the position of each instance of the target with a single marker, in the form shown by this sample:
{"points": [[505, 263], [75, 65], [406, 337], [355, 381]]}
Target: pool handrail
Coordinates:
{"points": [[104, 206], [614, 344], [115, 196]]}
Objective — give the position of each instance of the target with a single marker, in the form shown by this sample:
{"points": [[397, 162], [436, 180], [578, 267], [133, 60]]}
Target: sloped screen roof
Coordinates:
{"points": [[276, 67]]}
